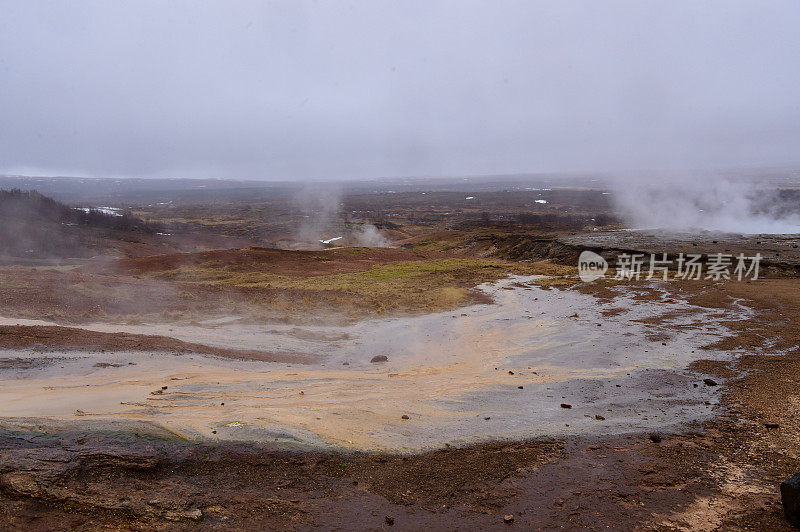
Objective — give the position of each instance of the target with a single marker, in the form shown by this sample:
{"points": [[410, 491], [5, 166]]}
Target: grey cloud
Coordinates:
{"points": [[294, 90]]}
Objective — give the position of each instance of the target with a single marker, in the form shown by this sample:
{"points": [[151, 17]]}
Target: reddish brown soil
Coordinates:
{"points": [[723, 475], [52, 338], [277, 261], [81, 297]]}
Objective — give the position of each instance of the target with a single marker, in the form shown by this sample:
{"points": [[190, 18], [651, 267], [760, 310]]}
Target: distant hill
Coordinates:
{"points": [[35, 226]]}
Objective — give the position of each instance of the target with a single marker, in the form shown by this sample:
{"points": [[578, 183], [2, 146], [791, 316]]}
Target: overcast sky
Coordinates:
{"points": [[285, 90]]}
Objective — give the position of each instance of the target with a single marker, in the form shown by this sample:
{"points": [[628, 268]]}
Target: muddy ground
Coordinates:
{"points": [[723, 474], [719, 475]]}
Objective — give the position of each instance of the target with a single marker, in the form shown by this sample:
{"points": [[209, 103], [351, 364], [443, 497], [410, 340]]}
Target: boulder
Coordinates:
{"points": [[790, 497]]}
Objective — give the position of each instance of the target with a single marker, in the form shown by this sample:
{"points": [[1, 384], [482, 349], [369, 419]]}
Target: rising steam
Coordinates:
{"points": [[319, 207], [323, 223], [707, 203], [368, 236]]}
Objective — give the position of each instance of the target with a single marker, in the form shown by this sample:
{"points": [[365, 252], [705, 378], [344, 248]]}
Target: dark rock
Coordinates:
{"points": [[404, 417], [566, 405], [790, 497], [389, 520], [771, 425], [599, 417], [709, 382], [655, 438], [379, 358], [510, 372]]}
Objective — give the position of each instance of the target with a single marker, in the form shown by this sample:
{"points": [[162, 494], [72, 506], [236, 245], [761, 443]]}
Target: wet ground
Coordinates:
{"points": [[485, 372], [126, 472], [774, 248]]}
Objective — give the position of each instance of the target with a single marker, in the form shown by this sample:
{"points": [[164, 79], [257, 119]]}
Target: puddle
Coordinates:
{"points": [[482, 372]]}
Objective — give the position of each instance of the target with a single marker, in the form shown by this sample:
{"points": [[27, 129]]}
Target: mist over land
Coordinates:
{"points": [[290, 91], [299, 265], [666, 100]]}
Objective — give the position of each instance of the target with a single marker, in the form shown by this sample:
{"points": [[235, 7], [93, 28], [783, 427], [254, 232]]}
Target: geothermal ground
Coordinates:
{"points": [[464, 378], [498, 371]]}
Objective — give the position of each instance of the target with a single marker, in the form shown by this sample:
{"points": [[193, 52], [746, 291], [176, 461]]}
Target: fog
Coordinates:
{"points": [[340, 90], [324, 223], [693, 201]]}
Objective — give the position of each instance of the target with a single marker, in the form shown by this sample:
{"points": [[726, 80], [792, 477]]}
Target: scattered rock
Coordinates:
{"points": [[566, 405], [404, 417], [379, 358], [195, 514], [790, 497], [655, 438], [520, 387], [508, 518], [599, 417], [709, 382], [19, 484], [772, 425], [510, 372]]}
